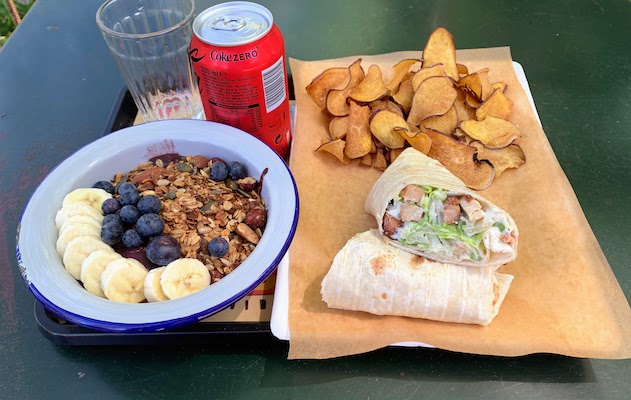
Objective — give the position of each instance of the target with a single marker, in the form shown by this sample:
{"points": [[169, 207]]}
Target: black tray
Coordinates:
{"points": [[61, 332]]}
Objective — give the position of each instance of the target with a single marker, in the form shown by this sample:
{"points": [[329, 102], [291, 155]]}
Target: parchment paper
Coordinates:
{"points": [[564, 298]]}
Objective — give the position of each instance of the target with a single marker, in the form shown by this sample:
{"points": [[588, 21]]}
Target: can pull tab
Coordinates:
{"points": [[228, 23]]}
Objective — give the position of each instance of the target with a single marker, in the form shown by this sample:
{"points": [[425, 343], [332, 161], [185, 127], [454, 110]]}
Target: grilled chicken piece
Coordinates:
{"points": [[452, 210], [410, 212], [412, 193], [472, 208], [391, 224]]}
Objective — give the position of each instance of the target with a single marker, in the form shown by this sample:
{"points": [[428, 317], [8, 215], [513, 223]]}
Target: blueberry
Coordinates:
{"points": [[163, 249], [129, 198], [110, 206], [129, 214], [105, 185], [150, 225], [237, 170], [218, 247], [112, 217], [218, 171], [149, 204], [126, 187], [131, 238], [111, 233]]}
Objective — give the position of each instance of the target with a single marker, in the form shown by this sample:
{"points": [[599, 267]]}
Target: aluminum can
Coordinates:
{"points": [[238, 57]]}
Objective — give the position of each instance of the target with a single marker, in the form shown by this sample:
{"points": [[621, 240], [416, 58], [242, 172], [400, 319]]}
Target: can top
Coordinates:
{"points": [[233, 23]]}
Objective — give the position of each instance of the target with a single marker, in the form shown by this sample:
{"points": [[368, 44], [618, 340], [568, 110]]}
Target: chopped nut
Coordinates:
{"points": [[247, 233], [255, 218]]}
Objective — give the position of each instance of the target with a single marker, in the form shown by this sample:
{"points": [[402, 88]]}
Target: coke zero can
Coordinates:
{"points": [[238, 56]]}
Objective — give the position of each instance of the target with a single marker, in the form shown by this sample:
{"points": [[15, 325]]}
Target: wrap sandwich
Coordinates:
{"points": [[422, 208], [369, 275]]}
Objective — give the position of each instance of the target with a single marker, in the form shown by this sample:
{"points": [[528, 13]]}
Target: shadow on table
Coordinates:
{"points": [[429, 365]]}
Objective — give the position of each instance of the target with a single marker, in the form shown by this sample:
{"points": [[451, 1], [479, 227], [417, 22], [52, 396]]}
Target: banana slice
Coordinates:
{"points": [[73, 231], [78, 249], [74, 209], [123, 281], [93, 196], [184, 276], [153, 288], [92, 268], [80, 219]]}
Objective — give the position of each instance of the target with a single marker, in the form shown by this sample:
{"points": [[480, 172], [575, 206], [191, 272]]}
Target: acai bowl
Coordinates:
{"points": [[63, 293]]}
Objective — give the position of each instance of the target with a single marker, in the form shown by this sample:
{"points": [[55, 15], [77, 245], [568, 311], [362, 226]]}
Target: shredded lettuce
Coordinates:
{"points": [[430, 232]]}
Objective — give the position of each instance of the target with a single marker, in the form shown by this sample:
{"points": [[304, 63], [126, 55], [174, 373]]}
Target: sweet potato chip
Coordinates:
{"points": [[445, 123], [493, 132], [392, 106], [477, 83], [371, 88], [427, 72], [511, 156], [499, 85], [470, 99], [394, 153], [332, 78], [462, 69], [459, 159], [463, 110], [336, 148], [382, 125], [418, 140], [338, 126], [367, 160], [358, 136], [435, 96], [336, 100], [440, 49], [380, 104], [399, 72], [379, 160], [403, 97], [497, 105]]}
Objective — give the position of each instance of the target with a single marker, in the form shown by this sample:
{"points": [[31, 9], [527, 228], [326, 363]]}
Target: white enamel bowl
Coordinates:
{"points": [[42, 268]]}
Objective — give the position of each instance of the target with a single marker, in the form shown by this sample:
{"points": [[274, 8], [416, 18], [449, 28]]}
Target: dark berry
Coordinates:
{"points": [[126, 187], [105, 185], [110, 206], [112, 217], [129, 214], [218, 247], [150, 225], [149, 204], [129, 198], [163, 249], [131, 238], [111, 233], [218, 171], [237, 170]]}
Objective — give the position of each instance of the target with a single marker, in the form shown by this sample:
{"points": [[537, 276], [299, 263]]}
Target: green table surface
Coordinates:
{"points": [[58, 88]]}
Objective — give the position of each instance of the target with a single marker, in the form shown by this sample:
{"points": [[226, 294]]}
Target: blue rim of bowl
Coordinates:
{"points": [[168, 324]]}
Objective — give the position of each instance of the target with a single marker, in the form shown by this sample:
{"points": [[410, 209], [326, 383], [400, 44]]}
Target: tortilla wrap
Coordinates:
{"points": [[414, 168], [369, 275]]}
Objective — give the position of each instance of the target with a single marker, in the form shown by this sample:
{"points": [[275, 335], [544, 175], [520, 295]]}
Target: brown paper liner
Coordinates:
{"points": [[564, 298]]}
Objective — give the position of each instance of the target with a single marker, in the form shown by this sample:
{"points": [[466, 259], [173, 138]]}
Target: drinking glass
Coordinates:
{"points": [[149, 40]]}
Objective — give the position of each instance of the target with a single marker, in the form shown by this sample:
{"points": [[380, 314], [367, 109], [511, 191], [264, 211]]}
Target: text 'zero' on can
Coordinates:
{"points": [[238, 56]]}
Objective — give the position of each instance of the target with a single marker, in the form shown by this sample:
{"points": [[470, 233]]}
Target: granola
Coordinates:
{"points": [[196, 209]]}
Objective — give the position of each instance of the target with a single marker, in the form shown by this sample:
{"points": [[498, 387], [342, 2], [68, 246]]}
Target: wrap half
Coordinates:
{"points": [[369, 275], [423, 208]]}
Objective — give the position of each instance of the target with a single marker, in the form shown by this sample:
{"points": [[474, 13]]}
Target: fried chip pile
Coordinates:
{"points": [[434, 105]]}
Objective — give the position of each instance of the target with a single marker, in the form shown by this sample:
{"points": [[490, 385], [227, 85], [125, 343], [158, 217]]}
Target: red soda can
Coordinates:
{"points": [[238, 56]]}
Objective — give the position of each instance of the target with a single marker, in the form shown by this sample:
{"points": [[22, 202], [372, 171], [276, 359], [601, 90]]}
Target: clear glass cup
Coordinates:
{"points": [[149, 40]]}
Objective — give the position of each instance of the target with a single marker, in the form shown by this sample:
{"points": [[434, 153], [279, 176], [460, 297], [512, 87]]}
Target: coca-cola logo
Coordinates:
{"points": [[224, 56], [192, 53]]}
